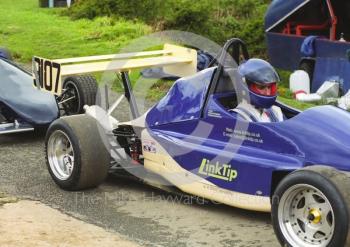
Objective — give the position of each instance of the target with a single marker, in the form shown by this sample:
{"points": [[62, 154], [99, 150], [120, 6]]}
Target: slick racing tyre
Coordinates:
{"points": [[78, 91], [76, 156], [310, 208]]}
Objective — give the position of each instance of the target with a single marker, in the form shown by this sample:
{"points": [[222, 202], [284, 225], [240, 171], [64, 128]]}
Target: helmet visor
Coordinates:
{"points": [[264, 89]]}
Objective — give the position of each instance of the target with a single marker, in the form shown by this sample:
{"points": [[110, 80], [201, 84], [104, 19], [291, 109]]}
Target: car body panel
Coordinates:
{"points": [[184, 101], [205, 145], [159, 160], [23, 99]]}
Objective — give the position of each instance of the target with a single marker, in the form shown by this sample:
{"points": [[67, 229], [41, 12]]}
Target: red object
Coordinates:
{"points": [[301, 28], [334, 21], [298, 92], [288, 28], [298, 29], [264, 90], [135, 152]]}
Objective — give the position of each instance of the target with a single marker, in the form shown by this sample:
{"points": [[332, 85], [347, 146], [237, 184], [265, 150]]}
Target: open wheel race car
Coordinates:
{"points": [[24, 108], [297, 169]]}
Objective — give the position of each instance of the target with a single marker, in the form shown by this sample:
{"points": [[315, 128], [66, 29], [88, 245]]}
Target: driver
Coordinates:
{"points": [[258, 86]]}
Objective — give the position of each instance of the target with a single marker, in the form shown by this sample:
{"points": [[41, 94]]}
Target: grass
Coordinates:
{"points": [[28, 30], [296, 104], [286, 96]]}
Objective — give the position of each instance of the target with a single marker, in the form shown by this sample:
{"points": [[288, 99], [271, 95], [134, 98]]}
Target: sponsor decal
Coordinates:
{"points": [[243, 135], [214, 114], [219, 171], [149, 146]]}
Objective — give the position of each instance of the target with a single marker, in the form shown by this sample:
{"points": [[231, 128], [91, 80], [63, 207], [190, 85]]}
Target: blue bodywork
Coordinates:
{"points": [[281, 9], [331, 57], [192, 130], [21, 100], [178, 105]]}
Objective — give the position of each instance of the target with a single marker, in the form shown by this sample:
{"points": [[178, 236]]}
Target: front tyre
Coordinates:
{"points": [[76, 156], [310, 208]]}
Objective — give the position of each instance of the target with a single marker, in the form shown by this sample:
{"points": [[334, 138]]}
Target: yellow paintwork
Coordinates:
{"points": [[176, 60], [163, 164]]}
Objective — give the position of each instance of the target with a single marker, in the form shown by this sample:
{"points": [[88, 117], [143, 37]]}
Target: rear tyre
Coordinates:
{"points": [[310, 207], [76, 156], [78, 92], [5, 53]]}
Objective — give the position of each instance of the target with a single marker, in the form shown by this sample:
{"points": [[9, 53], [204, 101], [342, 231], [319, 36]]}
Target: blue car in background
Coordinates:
{"points": [[312, 35], [297, 169], [24, 108]]}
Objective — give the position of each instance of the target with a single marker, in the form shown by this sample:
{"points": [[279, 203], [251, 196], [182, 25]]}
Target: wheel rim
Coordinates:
{"points": [[72, 106], [306, 217], [60, 154]]}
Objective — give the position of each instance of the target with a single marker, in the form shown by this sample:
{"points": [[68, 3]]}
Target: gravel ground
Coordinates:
{"points": [[138, 212]]}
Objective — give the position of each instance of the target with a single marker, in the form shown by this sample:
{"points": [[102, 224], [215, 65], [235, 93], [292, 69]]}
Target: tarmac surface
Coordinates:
{"points": [[139, 213]]}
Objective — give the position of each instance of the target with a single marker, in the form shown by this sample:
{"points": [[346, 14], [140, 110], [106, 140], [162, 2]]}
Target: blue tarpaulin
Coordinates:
{"points": [[279, 10], [308, 47]]}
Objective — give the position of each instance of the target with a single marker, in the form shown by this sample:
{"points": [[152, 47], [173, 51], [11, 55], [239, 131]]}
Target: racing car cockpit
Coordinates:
{"points": [[225, 87]]}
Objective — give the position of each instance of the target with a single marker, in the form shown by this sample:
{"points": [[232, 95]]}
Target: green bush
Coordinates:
{"points": [[217, 20], [187, 15], [145, 10], [243, 19]]}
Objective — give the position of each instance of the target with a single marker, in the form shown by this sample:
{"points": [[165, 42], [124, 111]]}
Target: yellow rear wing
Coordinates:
{"points": [[175, 60]]}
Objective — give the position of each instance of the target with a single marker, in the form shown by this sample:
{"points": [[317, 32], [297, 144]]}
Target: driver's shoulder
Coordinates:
{"points": [[277, 112]]}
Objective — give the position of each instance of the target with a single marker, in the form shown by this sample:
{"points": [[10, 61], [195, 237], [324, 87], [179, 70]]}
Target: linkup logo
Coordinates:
{"points": [[223, 172]]}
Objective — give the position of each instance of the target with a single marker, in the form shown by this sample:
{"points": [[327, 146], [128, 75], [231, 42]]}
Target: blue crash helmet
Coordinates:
{"points": [[258, 82]]}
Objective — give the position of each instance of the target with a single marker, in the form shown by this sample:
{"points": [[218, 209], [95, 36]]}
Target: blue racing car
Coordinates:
{"points": [[191, 140]]}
